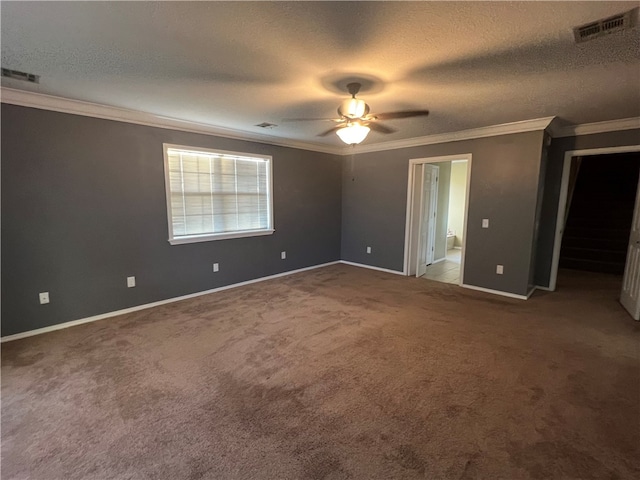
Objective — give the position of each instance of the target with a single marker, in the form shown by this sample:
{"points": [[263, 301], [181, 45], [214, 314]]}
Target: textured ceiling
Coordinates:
{"points": [[237, 64]]}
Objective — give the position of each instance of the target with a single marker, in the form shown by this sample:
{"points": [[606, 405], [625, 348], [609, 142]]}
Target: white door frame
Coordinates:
{"points": [[410, 213], [564, 192]]}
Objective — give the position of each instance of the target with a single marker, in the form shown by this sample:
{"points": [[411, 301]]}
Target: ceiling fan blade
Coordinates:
{"points": [[377, 127], [401, 114], [330, 131]]}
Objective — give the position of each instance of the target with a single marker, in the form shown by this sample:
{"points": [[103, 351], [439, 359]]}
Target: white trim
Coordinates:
{"points": [[599, 127], [371, 267], [467, 157], [554, 127], [465, 218], [481, 132], [218, 236], [408, 220], [88, 109], [438, 261], [562, 200], [78, 107], [102, 316], [498, 292], [546, 289]]}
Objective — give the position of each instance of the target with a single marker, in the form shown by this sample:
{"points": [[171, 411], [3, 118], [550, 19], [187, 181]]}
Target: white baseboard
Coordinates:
{"points": [[498, 292], [102, 316], [546, 289], [371, 267]]}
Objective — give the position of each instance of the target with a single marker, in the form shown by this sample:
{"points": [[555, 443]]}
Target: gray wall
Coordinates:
{"points": [[553, 179], [504, 185], [442, 217], [544, 161], [83, 207]]}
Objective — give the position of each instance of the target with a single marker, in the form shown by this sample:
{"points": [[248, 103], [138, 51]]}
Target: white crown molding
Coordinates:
{"points": [[599, 127], [490, 131], [554, 127], [78, 107]]}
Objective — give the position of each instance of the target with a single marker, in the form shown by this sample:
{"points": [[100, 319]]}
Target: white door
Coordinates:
{"points": [[427, 236], [630, 295]]}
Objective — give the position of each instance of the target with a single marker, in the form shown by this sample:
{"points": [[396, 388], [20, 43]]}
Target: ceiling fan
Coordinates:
{"points": [[355, 121]]}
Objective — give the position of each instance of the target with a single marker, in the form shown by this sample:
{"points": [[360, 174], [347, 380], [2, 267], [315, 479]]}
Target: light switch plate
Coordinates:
{"points": [[499, 269], [485, 223], [283, 255], [44, 297], [131, 282], [368, 249], [216, 267]]}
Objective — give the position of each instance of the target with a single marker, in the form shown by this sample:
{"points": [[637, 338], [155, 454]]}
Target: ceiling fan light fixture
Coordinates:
{"points": [[353, 108], [353, 133]]}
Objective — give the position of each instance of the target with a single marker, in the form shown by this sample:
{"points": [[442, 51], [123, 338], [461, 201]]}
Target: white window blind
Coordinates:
{"points": [[215, 194]]}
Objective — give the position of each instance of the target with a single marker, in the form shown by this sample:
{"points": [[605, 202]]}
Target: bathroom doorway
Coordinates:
{"points": [[446, 198]]}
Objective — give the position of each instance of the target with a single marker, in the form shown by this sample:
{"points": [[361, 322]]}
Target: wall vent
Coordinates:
{"points": [[18, 75], [599, 28], [266, 125]]}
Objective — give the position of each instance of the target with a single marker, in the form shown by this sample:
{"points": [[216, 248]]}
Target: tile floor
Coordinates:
{"points": [[446, 271]]}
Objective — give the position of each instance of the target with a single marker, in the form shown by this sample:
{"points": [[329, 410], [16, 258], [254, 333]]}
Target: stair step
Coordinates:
{"points": [[581, 204], [592, 265], [605, 198], [600, 205], [591, 221], [590, 232], [617, 256], [595, 243]]}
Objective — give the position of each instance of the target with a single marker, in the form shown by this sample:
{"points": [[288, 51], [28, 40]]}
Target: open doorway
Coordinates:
{"points": [[437, 200], [601, 201], [598, 226]]}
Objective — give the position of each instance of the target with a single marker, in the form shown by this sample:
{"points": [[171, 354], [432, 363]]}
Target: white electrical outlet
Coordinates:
{"points": [[216, 267], [131, 282], [368, 249], [44, 297], [499, 269], [283, 255], [485, 223]]}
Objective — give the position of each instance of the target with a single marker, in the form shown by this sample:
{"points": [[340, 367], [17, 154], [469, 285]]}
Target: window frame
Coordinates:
{"points": [[184, 239]]}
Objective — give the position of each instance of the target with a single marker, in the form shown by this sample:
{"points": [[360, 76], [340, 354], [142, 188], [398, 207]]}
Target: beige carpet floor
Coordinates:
{"points": [[334, 373]]}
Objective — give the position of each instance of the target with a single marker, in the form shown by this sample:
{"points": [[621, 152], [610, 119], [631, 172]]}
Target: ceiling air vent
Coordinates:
{"points": [[18, 75], [266, 125], [622, 21]]}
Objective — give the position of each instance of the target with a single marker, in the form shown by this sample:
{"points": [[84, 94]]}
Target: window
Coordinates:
{"points": [[213, 195]]}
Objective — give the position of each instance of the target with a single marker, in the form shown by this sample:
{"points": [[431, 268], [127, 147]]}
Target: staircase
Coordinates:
{"points": [[596, 235]]}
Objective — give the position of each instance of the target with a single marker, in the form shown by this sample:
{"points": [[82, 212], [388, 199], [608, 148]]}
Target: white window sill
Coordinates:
{"points": [[218, 236]]}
